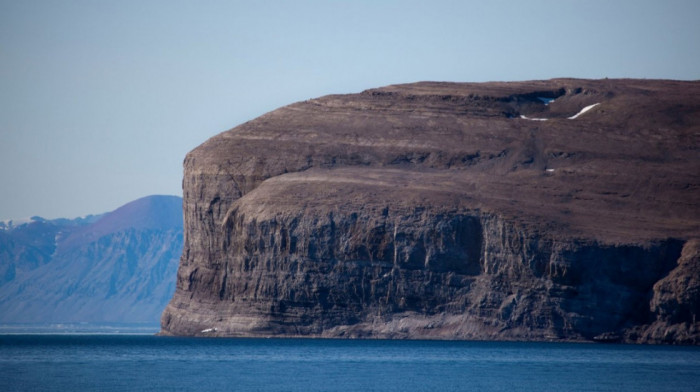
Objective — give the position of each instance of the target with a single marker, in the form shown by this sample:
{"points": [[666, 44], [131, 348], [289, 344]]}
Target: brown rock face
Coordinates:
{"points": [[450, 211]]}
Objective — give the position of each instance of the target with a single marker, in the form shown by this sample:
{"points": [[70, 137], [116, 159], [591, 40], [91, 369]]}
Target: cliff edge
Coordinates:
{"points": [[546, 210]]}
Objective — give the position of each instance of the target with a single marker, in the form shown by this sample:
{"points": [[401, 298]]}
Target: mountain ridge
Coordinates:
{"points": [[116, 268]]}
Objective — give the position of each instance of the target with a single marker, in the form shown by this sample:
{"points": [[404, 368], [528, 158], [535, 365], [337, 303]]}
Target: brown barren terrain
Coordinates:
{"points": [[451, 211]]}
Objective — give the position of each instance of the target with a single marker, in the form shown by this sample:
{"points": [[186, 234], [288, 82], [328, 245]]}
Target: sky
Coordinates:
{"points": [[101, 100]]}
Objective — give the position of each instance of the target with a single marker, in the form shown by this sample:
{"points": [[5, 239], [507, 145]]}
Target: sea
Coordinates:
{"points": [[120, 362]]}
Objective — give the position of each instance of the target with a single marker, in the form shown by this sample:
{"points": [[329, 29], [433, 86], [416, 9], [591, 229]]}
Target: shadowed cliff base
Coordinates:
{"points": [[546, 210]]}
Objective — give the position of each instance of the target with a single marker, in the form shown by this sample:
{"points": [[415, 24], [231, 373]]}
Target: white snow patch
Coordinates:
{"points": [[550, 170], [584, 110], [575, 116], [208, 330], [545, 100], [533, 119]]}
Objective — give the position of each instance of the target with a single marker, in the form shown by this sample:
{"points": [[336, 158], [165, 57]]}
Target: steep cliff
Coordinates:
{"points": [[562, 209]]}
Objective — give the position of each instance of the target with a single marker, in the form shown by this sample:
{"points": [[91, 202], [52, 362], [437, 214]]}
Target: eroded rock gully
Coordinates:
{"points": [[443, 210]]}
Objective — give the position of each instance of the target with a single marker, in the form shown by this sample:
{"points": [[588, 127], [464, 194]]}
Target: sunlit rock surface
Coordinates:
{"points": [[546, 210]]}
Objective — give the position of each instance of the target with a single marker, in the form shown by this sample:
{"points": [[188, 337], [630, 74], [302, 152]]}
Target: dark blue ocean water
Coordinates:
{"points": [[149, 363]]}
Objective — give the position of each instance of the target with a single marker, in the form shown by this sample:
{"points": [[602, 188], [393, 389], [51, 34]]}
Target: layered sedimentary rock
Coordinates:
{"points": [[562, 209]]}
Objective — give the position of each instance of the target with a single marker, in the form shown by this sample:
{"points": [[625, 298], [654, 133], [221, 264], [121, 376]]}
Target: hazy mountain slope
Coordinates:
{"points": [[119, 268], [28, 245]]}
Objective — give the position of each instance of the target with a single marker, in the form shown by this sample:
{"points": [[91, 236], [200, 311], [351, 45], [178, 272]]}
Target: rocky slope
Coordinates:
{"points": [[562, 209], [116, 268]]}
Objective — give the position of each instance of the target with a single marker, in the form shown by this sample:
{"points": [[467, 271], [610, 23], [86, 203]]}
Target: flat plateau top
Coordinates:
{"points": [[615, 161]]}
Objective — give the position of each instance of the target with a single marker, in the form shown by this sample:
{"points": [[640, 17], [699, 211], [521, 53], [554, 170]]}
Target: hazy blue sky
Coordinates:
{"points": [[101, 100]]}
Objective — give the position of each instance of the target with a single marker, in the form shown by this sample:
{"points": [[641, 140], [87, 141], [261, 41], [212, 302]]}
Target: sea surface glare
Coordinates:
{"points": [[150, 363]]}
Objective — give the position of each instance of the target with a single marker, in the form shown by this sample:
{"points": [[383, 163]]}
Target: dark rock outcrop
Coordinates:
{"points": [[450, 211], [116, 268]]}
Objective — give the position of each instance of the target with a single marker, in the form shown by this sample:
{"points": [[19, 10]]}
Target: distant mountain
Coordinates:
{"points": [[118, 267], [26, 244]]}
